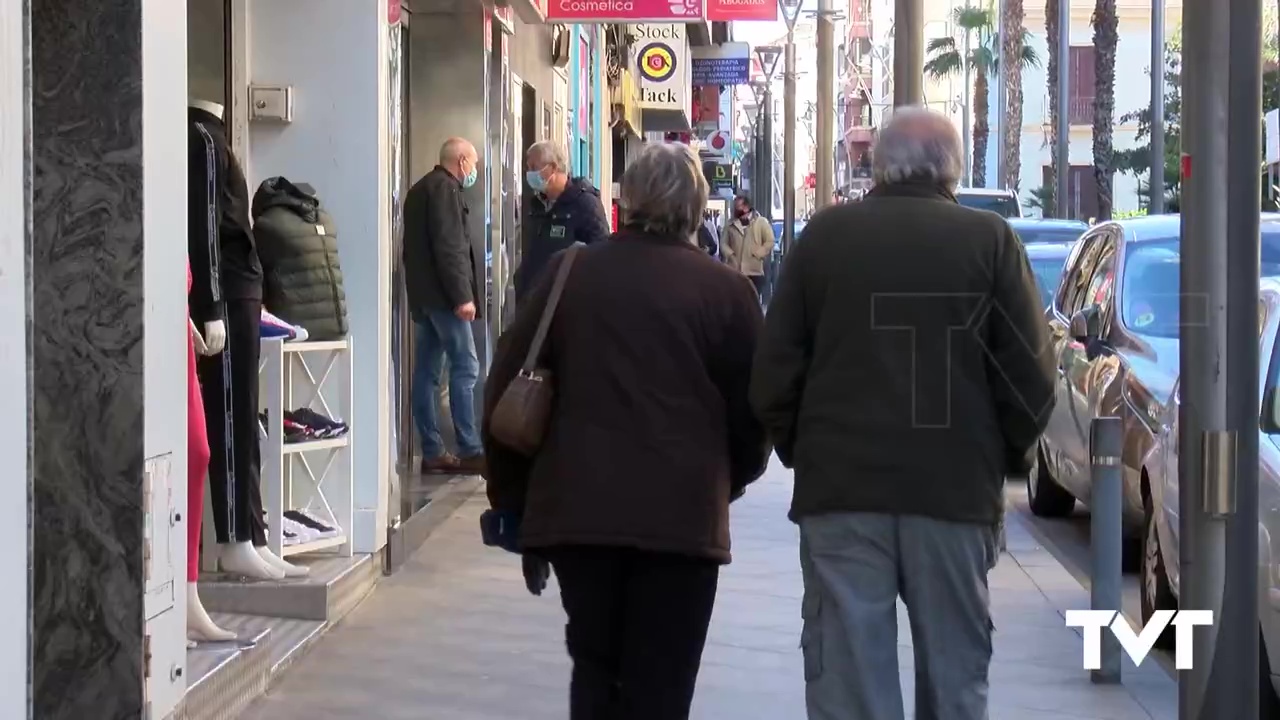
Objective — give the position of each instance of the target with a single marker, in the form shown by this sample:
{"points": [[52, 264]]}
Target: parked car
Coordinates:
{"points": [[1040, 230], [1047, 261], [1159, 585], [1114, 324], [1002, 202]]}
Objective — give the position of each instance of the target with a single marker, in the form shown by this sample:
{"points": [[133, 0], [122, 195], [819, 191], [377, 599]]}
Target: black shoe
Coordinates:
{"points": [[311, 418], [307, 520]]}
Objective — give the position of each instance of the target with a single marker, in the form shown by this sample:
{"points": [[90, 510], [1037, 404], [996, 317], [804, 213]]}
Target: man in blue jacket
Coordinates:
{"points": [[566, 210]]}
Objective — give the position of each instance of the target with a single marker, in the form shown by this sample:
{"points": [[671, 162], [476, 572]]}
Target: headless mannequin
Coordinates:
{"points": [[226, 302], [200, 627]]}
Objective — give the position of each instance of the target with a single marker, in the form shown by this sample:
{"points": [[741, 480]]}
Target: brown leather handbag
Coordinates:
{"points": [[523, 413]]}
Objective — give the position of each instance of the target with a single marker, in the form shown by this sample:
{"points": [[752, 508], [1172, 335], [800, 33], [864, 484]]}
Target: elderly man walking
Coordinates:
{"points": [[903, 373], [566, 210], [747, 242], [443, 284]]}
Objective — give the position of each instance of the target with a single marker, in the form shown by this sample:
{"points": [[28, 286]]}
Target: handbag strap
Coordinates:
{"points": [[549, 312]]}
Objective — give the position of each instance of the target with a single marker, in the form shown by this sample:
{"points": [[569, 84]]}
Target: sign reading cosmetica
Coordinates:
{"points": [[605, 11], [662, 62]]}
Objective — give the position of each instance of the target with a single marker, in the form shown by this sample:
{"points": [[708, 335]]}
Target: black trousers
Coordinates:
{"points": [[637, 625], [759, 282], [229, 386]]}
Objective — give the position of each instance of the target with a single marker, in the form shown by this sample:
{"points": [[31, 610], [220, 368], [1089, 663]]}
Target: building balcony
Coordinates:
{"points": [[859, 134], [1080, 111]]}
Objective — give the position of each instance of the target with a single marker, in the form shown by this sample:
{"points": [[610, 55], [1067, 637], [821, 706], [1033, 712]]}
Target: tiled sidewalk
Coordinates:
{"points": [[455, 636]]}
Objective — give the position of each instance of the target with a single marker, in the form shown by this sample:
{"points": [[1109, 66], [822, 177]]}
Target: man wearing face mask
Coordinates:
{"points": [[566, 210], [442, 278], [747, 242]]}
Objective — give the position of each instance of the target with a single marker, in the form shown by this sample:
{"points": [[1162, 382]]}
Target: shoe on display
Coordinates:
{"points": [[319, 527], [313, 429], [302, 533], [311, 418], [293, 431], [290, 537], [445, 464]]}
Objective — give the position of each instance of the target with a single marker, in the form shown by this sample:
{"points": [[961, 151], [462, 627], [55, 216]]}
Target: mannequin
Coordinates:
{"points": [[226, 303], [200, 627]]}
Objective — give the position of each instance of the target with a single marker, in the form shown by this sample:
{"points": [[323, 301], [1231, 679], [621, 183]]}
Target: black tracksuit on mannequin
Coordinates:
{"points": [[227, 286]]}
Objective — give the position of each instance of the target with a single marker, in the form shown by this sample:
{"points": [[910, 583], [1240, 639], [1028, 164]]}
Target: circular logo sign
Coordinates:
{"points": [[657, 62]]}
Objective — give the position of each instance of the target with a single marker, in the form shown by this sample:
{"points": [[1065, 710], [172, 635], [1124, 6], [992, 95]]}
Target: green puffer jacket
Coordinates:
{"points": [[298, 244]]}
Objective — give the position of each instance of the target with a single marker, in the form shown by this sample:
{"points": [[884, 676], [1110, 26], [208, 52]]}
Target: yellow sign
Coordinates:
{"points": [[657, 61], [626, 97]]}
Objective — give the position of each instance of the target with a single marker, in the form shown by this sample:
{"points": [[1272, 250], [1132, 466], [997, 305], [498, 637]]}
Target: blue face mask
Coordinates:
{"points": [[470, 179], [536, 181]]}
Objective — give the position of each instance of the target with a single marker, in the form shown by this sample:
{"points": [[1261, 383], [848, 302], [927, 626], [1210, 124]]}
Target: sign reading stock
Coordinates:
{"points": [[629, 11]]}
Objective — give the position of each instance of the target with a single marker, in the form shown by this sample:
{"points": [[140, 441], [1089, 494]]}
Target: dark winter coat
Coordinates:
{"points": [[298, 243], [441, 267], [651, 434], [904, 367], [577, 215]]}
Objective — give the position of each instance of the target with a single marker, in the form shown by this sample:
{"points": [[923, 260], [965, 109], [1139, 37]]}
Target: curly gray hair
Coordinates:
{"points": [[918, 145], [664, 191]]}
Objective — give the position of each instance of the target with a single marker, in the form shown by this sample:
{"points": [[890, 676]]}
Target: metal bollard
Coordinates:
{"points": [[1106, 442]]}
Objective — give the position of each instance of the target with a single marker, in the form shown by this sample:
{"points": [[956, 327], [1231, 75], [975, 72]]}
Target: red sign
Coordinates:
{"points": [[731, 10], [632, 11]]}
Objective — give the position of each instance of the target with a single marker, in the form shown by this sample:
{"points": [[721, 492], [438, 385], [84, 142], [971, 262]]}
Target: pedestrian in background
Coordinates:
{"points": [[442, 277], [564, 210], [651, 437], [747, 242], [902, 376]]}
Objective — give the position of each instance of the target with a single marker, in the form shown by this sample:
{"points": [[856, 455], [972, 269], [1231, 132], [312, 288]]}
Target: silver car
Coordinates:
{"points": [[1159, 567]]}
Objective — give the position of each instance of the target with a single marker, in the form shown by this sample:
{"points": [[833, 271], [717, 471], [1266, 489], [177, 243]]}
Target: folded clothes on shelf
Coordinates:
{"points": [[271, 326], [307, 424]]}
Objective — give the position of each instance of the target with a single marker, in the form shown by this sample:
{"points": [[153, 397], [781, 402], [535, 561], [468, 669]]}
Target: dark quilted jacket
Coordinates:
{"points": [[298, 244]]}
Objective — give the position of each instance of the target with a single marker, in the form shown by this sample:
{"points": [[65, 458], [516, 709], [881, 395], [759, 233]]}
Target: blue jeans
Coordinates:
{"points": [[442, 335]]}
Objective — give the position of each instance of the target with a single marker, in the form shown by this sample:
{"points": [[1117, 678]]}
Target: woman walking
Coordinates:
{"points": [[650, 438]]}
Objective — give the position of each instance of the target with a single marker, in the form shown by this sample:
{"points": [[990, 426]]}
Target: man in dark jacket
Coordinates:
{"points": [[566, 210], [903, 374], [441, 267]]}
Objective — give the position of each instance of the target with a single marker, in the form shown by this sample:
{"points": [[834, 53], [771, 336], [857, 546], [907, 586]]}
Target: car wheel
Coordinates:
{"points": [[1155, 591], [1045, 496]]}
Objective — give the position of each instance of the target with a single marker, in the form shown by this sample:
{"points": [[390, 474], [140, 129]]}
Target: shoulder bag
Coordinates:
{"points": [[523, 413]]}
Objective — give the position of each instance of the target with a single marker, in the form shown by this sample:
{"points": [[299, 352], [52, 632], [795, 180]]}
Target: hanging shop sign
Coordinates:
{"points": [[723, 64], [733, 10], [662, 61], [719, 175], [611, 11]]}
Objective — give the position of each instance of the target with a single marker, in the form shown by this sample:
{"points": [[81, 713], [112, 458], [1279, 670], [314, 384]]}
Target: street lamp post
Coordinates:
{"points": [[768, 56], [790, 10], [1156, 183]]}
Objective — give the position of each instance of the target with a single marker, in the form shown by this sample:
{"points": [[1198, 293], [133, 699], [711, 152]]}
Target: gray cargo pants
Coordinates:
{"points": [[855, 567]]}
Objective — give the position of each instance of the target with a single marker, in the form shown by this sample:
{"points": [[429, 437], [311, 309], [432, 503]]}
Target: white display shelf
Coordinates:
{"points": [[313, 546], [315, 375]]}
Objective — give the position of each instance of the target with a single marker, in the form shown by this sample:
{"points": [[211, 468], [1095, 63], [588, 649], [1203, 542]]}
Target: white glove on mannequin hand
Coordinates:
{"points": [[215, 338]]}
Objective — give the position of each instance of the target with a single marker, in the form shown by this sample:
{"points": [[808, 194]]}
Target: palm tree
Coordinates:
{"points": [[1011, 23], [945, 60], [1106, 37], [1051, 21]]}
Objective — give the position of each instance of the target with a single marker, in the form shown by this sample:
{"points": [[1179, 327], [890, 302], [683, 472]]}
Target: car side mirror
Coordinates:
{"points": [[1084, 324]]}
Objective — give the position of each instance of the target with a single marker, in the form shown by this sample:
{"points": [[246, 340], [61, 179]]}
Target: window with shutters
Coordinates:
{"points": [[1081, 85]]}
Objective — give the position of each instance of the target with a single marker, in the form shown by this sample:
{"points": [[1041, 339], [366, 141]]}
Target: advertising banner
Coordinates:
{"points": [[733, 10], [628, 11], [662, 61], [724, 64]]}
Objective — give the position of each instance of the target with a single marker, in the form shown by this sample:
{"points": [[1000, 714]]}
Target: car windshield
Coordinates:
{"points": [[1002, 205], [1149, 305], [1030, 234], [1047, 272]]}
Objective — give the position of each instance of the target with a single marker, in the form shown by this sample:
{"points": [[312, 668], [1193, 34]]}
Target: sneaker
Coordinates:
{"points": [[318, 527], [316, 430], [471, 465], [302, 533], [290, 537], [333, 428], [445, 464]]}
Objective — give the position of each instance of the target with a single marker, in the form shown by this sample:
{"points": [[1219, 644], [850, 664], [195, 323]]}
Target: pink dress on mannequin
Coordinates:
{"points": [[197, 458]]}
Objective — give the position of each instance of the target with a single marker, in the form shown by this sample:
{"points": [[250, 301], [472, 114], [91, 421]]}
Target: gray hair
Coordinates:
{"points": [[664, 191], [454, 149], [918, 145], [546, 153]]}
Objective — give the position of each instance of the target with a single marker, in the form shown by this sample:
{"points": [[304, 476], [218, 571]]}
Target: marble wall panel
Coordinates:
{"points": [[86, 359]]}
